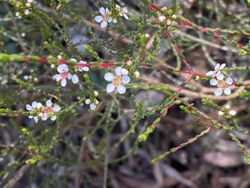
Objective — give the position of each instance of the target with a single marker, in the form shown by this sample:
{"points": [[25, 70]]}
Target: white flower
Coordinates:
{"points": [[18, 15], [64, 74], [117, 81], [91, 104], [27, 12], [123, 12], [49, 111], [217, 71], [162, 18], [223, 86], [104, 18], [33, 109], [82, 66]]}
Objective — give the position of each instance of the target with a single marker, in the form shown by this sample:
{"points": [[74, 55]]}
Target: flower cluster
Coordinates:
{"points": [[108, 17], [117, 81], [92, 104], [39, 111], [218, 79], [28, 4]]}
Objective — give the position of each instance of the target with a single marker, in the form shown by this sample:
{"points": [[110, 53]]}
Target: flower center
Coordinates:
{"points": [[222, 84], [64, 75], [48, 110], [117, 80], [105, 17]]}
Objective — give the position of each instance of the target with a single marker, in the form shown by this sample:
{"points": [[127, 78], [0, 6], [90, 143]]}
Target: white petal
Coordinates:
{"points": [[34, 104], [30, 117], [82, 62], [209, 73], [62, 68], [73, 59], [57, 77], [36, 119], [118, 71], [213, 82], [124, 71], [85, 69], [104, 24], [125, 79], [39, 105], [48, 103], [53, 118], [229, 81], [107, 11], [114, 20], [92, 106], [125, 10], [44, 117], [63, 82], [108, 76], [218, 92], [56, 108], [125, 16], [220, 76], [75, 79], [28, 107], [110, 88], [69, 76], [217, 67], [121, 89], [102, 10], [110, 20], [227, 91], [222, 66], [98, 19], [87, 101]]}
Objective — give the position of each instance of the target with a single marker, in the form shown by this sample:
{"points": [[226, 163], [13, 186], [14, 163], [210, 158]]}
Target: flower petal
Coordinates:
{"points": [[110, 19], [39, 105], [57, 77], [87, 101], [62, 68], [218, 91], [36, 119], [28, 107], [114, 20], [98, 19], [217, 67], [213, 82], [75, 79], [124, 71], [104, 24], [209, 73], [102, 11], [121, 89], [53, 118], [92, 106], [108, 76], [222, 66], [125, 79], [227, 91], [229, 81], [56, 108], [118, 71], [44, 117], [48, 103], [34, 104], [63, 82], [219, 76], [110, 88]]}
